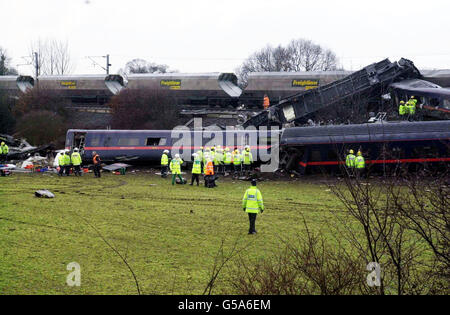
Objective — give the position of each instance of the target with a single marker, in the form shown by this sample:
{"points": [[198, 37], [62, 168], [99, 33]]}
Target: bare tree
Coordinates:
{"points": [[143, 66], [53, 57], [5, 61], [298, 55]]}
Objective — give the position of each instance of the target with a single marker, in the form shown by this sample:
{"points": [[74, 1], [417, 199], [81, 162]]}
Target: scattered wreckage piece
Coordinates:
{"points": [[20, 149], [116, 168], [44, 193]]}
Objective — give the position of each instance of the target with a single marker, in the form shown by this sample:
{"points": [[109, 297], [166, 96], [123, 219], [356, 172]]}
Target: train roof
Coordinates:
{"points": [[339, 73], [382, 128], [177, 75], [159, 131], [442, 73], [421, 87], [79, 77]]}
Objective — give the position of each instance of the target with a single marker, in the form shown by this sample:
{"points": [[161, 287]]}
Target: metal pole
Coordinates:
{"points": [[107, 64], [36, 63]]}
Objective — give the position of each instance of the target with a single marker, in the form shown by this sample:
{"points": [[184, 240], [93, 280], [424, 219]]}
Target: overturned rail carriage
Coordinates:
{"points": [[386, 145], [147, 146], [432, 100]]}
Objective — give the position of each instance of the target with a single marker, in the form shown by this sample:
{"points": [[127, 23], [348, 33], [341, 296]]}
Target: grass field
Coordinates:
{"points": [[169, 234]]}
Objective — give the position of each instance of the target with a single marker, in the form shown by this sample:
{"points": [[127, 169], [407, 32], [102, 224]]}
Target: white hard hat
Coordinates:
{"points": [[177, 156], [194, 155], [75, 149], [166, 151]]}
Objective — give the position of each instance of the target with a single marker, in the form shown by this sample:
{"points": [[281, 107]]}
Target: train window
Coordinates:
{"points": [[156, 141], [434, 102], [447, 104], [396, 153], [128, 141], [264, 141], [95, 141], [315, 156], [332, 155], [430, 152]]}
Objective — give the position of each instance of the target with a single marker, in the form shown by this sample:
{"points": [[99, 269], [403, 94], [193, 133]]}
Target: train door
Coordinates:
{"points": [[79, 141]]}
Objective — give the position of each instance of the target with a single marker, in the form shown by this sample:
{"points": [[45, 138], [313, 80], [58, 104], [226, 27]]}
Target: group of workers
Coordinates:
{"points": [[408, 110], [355, 163], [4, 150], [66, 161], [209, 162]]}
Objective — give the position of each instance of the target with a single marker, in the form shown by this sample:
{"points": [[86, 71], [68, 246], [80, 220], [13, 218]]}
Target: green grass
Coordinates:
{"points": [[169, 234]]}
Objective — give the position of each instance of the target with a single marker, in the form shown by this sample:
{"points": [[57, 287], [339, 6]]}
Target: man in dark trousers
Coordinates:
{"points": [[97, 163], [252, 203]]}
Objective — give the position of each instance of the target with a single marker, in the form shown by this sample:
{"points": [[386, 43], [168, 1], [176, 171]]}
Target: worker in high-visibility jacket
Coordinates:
{"points": [[200, 156], [97, 164], [266, 102], [360, 164], [207, 152], [411, 105], [165, 163], [247, 160], [67, 162], [76, 162], [350, 160], [210, 177], [196, 169], [212, 155], [402, 109], [227, 158], [4, 150], [61, 161], [218, 160], [252, 203], [236, 156], [175, 168]]}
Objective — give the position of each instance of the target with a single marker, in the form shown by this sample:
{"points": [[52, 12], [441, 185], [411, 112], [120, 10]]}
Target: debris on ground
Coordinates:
{"points": [[115, 167], [44, 193]]}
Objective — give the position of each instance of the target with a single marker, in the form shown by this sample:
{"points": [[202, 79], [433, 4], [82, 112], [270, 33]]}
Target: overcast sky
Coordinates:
{"points": [[216, 36]]}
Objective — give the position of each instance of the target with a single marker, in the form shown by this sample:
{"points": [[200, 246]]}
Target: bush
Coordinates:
{"points": [[143, 109], [41, 100], [42, 127]]}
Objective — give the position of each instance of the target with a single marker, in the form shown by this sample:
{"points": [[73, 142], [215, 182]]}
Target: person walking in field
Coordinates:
{"points": [[252, 203]]}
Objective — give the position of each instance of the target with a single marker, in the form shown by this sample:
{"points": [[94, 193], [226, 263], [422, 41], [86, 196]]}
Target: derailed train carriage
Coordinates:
{"points": [[303, 149], [384, 145], [147, 146], [432, 100]]}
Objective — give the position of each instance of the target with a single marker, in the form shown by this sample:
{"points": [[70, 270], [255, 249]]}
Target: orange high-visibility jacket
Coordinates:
{"points": [[96, 159], [209, 170], [266, 103]]}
